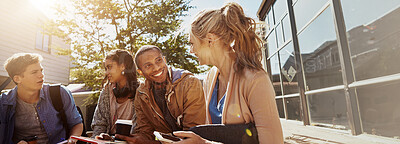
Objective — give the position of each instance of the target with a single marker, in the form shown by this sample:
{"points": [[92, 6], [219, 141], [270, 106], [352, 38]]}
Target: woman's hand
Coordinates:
{"points": [[104, 136], [135, 138], [188, 137]]}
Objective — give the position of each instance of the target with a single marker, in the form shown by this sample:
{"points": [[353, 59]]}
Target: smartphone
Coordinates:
{"points": [[166, 137]]}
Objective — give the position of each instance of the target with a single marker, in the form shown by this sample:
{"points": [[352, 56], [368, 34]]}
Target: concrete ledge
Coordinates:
{"points": [[295, 132]]}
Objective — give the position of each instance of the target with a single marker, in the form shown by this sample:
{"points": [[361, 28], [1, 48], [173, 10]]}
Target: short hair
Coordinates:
{"points": [[17, 63], [144, 49]]}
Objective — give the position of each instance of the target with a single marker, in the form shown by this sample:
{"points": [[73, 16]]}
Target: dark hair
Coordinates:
{"points": [[231, 25], [125, 58], [144, 49]]}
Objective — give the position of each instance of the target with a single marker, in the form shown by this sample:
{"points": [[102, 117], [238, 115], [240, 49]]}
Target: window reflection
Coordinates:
{"points": [[287, 31], [305, 10], [275, 77], [319, 53], [373, 37], [289, 79], [279, 34], [379, 109], [328, 108], [271, 42], [270, 19], [293, 108], [279, 104], [280, 7]]}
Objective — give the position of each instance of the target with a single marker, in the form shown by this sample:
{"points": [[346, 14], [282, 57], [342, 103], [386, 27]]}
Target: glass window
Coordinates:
{"points": [[279, 34], [329, 108], [39, 40], [289, 79], [380, 109], [46, 42], [287, 31], [281, 111], [270, 17], [318, 49], [280, 8], [276, 81], [270, 20], [305, 10], [293, 108], [271, 42], [373, 33]]}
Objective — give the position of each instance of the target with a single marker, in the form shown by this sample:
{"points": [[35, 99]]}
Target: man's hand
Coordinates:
{"points": [[135, 139], [22, 142], [189, 137]]}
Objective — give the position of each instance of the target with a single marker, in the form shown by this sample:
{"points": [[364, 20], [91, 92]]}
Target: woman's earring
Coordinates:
{"points": [[122, 72]]}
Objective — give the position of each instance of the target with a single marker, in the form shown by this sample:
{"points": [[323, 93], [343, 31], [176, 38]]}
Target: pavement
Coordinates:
{"points": [[295, 132]]}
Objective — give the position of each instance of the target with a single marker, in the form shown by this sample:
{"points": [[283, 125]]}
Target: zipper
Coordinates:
{"points": [[151, 104]]}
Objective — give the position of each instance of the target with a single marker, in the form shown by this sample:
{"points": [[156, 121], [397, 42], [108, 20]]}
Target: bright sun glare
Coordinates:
{"points": [[47, 6]]}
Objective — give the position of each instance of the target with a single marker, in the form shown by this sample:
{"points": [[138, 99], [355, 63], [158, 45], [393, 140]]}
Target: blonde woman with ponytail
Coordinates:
{"points": [[237, 89]]}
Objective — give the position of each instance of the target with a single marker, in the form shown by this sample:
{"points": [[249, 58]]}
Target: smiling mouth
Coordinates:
{"points": [[158, 74], [40, 81]]}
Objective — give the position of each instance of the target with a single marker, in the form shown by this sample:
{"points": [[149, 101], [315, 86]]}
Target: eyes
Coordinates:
{"points": [[36, 71], [159, 60], [108, 67]]}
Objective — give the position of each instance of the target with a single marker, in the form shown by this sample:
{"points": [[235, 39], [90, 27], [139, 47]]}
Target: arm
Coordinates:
{"points": [[261, 100], [143, 125], [76, 130], [194, 110], [74, 119], [100, 119]]}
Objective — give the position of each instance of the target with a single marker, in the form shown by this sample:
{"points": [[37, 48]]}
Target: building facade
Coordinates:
{"points": [[334, 63], [22, 29]]}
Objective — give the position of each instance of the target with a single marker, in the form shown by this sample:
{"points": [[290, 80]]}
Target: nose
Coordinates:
{"points": [[191, 49], [41, 74]]}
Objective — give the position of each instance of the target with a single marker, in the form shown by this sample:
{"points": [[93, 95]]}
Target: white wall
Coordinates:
{"points": [[19, 23]]}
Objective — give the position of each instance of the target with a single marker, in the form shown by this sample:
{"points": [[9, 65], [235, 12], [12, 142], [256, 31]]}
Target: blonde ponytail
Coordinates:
{"points": [[232, 26]]}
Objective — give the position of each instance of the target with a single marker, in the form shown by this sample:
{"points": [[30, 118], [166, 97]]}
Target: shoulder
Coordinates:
{"points": [[250, 75]]}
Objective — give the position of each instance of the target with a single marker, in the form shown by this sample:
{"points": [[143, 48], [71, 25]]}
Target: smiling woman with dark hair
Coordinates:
{"points": [[116, 99]]}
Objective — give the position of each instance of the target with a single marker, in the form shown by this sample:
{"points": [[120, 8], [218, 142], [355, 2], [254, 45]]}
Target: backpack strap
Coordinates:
{"points": [[55, 96]]}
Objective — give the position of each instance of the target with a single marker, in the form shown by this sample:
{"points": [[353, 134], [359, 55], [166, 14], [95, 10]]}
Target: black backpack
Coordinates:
{"points": [[55, 96]]}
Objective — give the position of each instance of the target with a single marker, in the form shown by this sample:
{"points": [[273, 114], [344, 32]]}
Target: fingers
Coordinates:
{"points": [[22, 142], [121, 137], [183, 134]]}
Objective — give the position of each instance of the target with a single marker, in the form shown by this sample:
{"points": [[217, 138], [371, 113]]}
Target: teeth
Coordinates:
{"points": [[158, 74]]}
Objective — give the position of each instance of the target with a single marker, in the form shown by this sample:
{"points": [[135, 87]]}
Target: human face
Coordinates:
{"points": [[152, 66], [32, 78], [114, 71], [200, 49]]}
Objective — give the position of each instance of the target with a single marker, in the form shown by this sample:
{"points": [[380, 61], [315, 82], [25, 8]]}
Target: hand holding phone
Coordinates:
{"points": [[166, 137]]}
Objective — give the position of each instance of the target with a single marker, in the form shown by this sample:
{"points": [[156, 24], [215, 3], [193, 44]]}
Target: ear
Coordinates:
{"points": [[17, 79], [122, 67], [210, 37], [165, 60], [140, 72]]}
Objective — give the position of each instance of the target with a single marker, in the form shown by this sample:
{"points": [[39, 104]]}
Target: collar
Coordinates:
{"points": [[10, 98], [146, 86]]}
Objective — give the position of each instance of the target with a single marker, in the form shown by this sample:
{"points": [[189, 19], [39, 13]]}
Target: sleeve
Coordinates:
{"points": [[71, 112], [143, 125], [194, 109], [100, 120], [262, 104]]}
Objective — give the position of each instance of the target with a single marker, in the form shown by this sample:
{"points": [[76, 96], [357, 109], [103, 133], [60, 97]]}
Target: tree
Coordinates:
{"points": [[94, 27]]}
